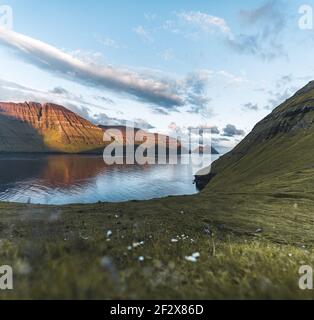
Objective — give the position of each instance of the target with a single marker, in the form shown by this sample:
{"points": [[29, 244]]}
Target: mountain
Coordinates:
{"points": [[152, 140], [35, 127], [49, 128], [276, 157], [205, 150]]}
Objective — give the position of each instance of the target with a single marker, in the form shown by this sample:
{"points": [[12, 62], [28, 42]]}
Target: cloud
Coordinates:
{"points": [[104, 119], [59, 90], [107, 42], [265, 23], [206, 128], [284, 80], [271, 11], [124, 81], [269, 21], [143, 124], [105, 99], [168, 55], [284, 88], [161, 111], [13, 92], [251, 106], [214, 129], [153, 88], [82, 111], [144, 34], [205, 22], [90, 57], [196, 84], [150, 16], [231, 131], [277, 98]]}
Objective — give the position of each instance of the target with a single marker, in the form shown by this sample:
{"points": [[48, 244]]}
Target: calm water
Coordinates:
{"points": [[58, 179]]}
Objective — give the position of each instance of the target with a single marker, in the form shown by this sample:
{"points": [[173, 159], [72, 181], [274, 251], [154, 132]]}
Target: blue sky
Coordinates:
{"points": [[171, 64]]}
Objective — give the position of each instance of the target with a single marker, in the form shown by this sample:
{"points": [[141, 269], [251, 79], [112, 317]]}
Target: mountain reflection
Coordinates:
{"points": [[61, 179]]}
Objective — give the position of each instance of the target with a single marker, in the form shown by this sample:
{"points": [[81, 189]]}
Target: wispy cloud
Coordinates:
{"points": [[168, 55], [144, 34], [266, 41], [14, 92], [107, 42], [262, 37], [204, 21], [251, 106]]}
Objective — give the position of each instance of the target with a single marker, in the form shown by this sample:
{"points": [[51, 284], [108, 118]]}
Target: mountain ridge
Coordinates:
{"points": [[275, 154]]}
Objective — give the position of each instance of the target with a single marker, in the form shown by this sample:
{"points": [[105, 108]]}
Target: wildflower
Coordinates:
{"points": [[174, 240], [141, 258], [138, 244], [193, 257], [109, 234]]}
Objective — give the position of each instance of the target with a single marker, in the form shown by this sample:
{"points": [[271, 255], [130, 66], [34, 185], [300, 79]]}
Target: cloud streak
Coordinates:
{"points": [[164, 92]]}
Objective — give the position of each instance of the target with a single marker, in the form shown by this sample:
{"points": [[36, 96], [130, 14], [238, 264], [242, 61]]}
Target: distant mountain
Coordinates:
{"points": [[277, 156], [49, 128], [152, 140], [205, 150]]}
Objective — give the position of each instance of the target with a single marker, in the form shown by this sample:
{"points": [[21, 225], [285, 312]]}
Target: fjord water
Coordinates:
{"points": [[64, 179]]}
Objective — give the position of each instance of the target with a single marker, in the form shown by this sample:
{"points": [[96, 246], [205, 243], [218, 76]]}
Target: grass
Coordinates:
{"points": [[249, 249]]}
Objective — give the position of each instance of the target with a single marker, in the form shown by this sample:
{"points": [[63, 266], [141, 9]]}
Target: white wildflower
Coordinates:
{"points": [[193, 258], [138, 244], [109, 233]]}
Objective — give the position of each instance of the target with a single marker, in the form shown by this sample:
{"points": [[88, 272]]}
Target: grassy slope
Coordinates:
{"points": [[64, 246], [259, 210]]}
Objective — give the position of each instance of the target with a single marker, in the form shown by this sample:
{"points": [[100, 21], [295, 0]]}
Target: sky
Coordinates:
{"points": [[167, 66]]}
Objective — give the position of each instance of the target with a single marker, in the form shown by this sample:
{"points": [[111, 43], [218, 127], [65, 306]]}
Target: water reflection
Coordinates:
{"points": [[62, 179]]}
